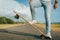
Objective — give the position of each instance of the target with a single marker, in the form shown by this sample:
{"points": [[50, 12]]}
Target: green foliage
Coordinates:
{"points": [[4, 20], [9, 21]]}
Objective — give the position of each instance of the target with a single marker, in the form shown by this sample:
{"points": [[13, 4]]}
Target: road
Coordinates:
{"points": [[25, 32]]}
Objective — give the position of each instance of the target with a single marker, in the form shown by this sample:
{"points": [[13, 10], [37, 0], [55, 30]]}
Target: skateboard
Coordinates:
{"points": [[34, 26]]}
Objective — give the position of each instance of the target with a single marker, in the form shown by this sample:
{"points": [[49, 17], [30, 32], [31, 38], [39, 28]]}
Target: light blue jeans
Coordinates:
{"points": [[47, 10]]}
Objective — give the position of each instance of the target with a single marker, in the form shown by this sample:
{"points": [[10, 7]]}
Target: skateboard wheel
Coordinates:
{"points": [[42, 36]]}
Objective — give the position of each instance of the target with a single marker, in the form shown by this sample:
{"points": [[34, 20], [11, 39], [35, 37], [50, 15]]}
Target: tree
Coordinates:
{"points": [[9, 21], [4, 20]]}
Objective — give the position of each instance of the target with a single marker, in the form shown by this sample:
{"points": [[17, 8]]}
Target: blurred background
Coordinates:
{"points": [[22, 7]]}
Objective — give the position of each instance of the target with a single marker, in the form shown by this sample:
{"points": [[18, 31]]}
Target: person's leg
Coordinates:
{"points": [[33, 13], [47, 10]]}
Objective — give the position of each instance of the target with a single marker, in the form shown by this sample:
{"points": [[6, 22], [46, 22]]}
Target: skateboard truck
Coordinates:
{"points": [[45, 37]]}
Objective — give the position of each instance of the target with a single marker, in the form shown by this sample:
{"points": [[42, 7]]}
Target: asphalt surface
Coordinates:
{"points": [[25, 32]]}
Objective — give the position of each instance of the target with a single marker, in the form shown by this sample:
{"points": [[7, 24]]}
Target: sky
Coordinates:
{"points": [[23, 9]]}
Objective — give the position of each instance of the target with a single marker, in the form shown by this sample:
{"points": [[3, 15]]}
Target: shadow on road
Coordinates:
{"points": [[27, 31], [20, 33]]}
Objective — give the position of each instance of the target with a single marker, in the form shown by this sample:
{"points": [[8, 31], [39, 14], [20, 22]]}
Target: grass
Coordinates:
{"points": [[3, 26], [55, 27]]}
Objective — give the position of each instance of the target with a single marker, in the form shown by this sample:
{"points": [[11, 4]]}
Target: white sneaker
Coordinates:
{"points": [[32, 22], [49, 35]]}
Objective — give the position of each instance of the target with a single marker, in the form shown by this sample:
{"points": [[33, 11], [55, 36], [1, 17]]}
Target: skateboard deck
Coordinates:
{"points": [[34, 26]]}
